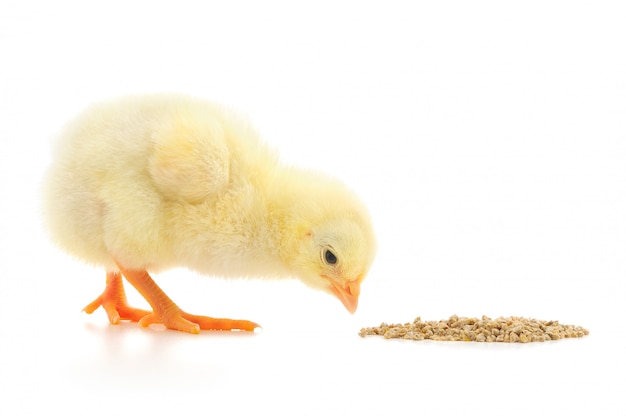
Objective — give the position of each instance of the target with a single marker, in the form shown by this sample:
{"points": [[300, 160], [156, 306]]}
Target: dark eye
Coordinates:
{"points": [[330, 257]]}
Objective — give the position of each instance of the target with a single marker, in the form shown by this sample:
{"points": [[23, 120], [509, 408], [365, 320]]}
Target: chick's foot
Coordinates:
{"points": [[166, 312], [113, 301], [185, 322]]}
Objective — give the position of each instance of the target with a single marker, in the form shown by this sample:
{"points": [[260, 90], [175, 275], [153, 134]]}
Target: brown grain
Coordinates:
{"points": [[503, 329]]}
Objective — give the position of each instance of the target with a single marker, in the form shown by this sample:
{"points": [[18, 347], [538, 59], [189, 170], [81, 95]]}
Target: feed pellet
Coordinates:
{"points": [[503, 329]]}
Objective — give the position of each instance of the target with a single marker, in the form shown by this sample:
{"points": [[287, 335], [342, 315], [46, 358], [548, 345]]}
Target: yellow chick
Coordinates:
{"points": [[148, 183]]}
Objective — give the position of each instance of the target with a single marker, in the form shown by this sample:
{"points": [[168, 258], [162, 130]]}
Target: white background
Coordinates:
{"points": [[487, 138]]}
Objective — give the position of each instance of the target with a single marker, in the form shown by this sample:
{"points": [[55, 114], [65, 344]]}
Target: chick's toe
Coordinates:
{"points": [[113, 301]]}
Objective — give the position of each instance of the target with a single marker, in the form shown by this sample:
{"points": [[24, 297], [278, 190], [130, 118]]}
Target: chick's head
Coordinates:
{"points": [[335, 246]]}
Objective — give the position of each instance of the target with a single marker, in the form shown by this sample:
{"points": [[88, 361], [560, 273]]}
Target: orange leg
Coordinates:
{"points": [[166, 312], [113, 301]]}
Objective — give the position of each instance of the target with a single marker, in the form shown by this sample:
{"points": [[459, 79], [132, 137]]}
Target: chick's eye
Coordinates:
{"points": [[330, 257]]}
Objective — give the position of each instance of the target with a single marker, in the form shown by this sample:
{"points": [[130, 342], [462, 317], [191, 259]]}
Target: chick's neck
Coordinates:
{"points": [[291, 212]]}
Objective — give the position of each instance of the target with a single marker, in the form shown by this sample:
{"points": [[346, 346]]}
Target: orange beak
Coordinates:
{"points": [[348, 294]]}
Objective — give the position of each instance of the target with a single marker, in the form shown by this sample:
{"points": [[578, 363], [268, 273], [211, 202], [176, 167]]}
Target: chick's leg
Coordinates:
{"points": [[166, 312], [113, 301]]}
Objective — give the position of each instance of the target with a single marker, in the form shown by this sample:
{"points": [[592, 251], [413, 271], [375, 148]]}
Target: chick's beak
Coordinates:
{"points": [[347, 293]]}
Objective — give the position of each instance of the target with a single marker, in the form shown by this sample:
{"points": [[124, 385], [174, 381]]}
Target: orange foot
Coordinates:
{"points": [[113, 301], [164, 310], [182, 321]]}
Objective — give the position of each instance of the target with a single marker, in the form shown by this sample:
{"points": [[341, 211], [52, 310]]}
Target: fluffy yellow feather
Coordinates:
{"points": [[147, 183]]}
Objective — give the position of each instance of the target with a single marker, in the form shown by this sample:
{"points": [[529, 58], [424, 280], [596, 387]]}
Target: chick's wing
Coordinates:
{"points": [[190, 158]]}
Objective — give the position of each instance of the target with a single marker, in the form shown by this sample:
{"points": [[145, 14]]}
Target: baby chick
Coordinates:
{"points": [[148, 183]]}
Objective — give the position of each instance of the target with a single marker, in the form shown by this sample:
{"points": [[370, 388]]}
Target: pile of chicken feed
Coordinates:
{"points": [[503, 329]]}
